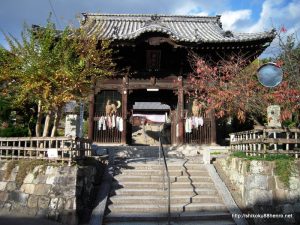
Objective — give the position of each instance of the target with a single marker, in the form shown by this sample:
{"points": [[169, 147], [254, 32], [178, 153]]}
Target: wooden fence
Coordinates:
{"points": [[109, 134], [200, 134], [62, 149], [267, 141]]}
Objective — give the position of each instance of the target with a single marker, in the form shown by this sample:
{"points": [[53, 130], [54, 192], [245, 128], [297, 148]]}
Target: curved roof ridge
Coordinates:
{"points": [[193, 29], [154, 28], [150, 14], [145, 17]]}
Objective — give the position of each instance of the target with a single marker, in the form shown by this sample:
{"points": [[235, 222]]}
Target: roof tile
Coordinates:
{"points": [[179, 28]]}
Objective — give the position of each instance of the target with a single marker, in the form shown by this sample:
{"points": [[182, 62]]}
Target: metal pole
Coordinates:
{"points": [[159, 149], [169, 201]]}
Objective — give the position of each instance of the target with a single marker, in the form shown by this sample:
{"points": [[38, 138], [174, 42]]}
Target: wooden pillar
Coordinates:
{"points": [[124, 109], [173, 127], [180, 111], [213, 127], [91, 115]]}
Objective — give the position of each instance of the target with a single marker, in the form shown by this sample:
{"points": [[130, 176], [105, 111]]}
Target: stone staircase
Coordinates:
{"points": [[139, 194]]}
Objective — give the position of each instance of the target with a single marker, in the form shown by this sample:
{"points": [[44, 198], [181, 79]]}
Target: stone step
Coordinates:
{"points": [[125, 200], [158, 166], [161, 172], [142, 166], [154, 208], [133, 178], [140, 184], [177, 217], [219, 222], [138, 197], [160, 192]]}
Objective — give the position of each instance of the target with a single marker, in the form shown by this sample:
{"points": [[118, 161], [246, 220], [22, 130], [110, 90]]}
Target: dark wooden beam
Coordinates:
{"points": [[213, 127], [124, 109], [91, 115]]}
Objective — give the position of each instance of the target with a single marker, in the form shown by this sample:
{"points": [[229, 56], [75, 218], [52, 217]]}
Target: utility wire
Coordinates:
{"points": [[56, 18]]}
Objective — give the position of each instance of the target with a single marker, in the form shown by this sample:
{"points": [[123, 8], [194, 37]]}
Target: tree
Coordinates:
{"points": [[50, 68], [289, 58], [231, 87], [225, 87], [5, 108]]}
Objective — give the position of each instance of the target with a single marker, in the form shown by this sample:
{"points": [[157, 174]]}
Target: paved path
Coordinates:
{"points": [[10, 220]]}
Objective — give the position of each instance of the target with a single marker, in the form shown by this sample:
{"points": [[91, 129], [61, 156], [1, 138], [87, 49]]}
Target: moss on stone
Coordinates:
{"points": [[26, 167], [248, 166], [10, 166], [284, 169], [284, 164]]}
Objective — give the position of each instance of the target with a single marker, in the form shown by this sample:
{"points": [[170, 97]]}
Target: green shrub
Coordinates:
{"points": [[266, 157], [216, 153], [14, 132], [85, 128], [239, 154]]}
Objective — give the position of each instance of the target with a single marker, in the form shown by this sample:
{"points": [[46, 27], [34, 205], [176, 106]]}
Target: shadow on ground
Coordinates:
{"points": [[9, 220]]}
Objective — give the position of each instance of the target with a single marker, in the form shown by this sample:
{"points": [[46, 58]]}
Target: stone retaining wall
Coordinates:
{"points": [[60, 193], [257, 187]]}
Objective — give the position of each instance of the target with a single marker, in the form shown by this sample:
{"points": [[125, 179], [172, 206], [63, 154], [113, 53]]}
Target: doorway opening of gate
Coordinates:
{"points": [[150, 118]]}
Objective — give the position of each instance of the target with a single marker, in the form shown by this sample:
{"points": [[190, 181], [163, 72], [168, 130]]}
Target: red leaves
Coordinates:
{"points": [[286, 114], [279, 63], [283, 29], [232, 89]]}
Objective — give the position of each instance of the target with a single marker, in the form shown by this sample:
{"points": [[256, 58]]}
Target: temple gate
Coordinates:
{"points": [[154, 51]]}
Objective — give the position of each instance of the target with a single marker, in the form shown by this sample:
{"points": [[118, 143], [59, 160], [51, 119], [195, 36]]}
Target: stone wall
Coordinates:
{"points": [[256, 187], [60, 193]]}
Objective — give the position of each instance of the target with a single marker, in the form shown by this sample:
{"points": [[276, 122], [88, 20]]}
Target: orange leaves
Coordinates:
{"points": [[241, 115]]}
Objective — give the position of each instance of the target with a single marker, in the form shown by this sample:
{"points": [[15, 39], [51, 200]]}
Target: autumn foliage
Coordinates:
{"points": [[48, 68], [231, 88]]}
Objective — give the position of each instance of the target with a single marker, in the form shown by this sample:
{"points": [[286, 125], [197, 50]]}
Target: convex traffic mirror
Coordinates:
{"points": [[270, 75]]}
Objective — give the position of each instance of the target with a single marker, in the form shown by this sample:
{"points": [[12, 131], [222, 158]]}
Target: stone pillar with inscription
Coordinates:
{"points": [[71, 122], [71, 125], [273, 115]]}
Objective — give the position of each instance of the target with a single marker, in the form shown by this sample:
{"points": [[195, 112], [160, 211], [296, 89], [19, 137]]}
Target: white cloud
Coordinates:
{"points": [[275, 14], [198, 7], [202, 14], [230, 19], [186, 8]]}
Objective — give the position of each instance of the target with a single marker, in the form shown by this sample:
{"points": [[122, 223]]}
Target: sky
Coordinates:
{"points": [[236, 15]]}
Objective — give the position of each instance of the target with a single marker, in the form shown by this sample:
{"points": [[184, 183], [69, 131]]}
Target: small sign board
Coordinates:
{"points": [[52, 152]]}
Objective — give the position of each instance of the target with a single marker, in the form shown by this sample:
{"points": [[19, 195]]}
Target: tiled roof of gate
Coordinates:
{"points": [[179, 28]]}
